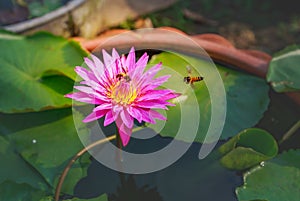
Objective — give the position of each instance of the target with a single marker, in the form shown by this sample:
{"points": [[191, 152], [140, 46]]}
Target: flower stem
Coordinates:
{"points": [[73, 160], [290, 132], [80, 153]]}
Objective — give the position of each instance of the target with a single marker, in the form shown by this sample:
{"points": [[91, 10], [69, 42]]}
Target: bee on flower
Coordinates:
{"points": [[122, 91]]}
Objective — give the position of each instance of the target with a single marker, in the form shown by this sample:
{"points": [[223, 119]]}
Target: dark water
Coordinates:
{"points": [[187, 179]]}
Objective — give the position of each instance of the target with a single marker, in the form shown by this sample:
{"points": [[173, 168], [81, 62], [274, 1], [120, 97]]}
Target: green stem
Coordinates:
{"points": [[290, 132]]}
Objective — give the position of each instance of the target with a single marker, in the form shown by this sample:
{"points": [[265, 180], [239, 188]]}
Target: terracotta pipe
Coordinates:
{"points": [[218, 48]]}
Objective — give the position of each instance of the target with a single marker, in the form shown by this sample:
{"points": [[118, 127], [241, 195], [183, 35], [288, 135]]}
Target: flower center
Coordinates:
{"points": [[123, 92]]}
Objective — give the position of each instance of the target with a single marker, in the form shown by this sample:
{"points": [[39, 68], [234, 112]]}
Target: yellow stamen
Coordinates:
{"points": [[123, 93]]}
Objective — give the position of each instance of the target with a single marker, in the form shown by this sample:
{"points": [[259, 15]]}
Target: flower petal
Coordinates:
{"points": [[163, 94], [157, 115], [83, 97], [92, 92], [159, 104], [130, 61], [103, 106], [125, 134], [152, 84], [142, 62], [109, 63], [109, 118], [85, 74], [126, 118], [94, 116], [98, 67], [146, 115], [134, 112]]}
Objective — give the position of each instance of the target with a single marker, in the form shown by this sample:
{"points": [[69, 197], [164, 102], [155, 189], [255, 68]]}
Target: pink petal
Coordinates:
{"points": [[164, 94], [130, 61], [142, 62], [91, 92], [159, 104], [152, 84], [116, 109], [126, 118], [137, 73], [96, 69], [115, 54], [109, 118], [94, 116], [84, 73], [146, 115], [125, 134], [153, 70], [109, 63], [146, 78], [157, 115], [103, 106], [135, 114], [83, 97]]}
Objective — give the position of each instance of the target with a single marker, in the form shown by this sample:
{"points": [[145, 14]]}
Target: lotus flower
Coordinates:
{"points": [[122, 91]]}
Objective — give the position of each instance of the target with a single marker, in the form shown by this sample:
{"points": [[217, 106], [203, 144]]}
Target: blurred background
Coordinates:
{"points": [[249, 24]]}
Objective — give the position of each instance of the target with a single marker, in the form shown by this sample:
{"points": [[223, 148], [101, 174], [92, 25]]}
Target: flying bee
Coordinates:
{"points": [[123, 75], [190, 79]]}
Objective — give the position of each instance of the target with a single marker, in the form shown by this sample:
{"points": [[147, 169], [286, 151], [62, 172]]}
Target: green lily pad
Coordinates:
{"points": [[275, 180], [48, 148], [248, 148], [100, 198], [15, 169], [36, 71], [245, 106], [10, 191], [284, 71]]}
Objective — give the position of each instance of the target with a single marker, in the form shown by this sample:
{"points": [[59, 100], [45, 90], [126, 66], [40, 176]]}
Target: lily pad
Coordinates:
{"points": [[10, 191], [275, 180], [44, 148], [245, 106], [248, 148], [100, 198], [36, 71], [284, 71], [15, 169]]}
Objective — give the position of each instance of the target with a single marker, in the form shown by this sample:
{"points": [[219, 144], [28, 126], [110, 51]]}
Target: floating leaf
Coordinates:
{"points": [[276, 180], [284, 71], [15, 169], [245, 106], [248, 148], [100, 198], [10, 191], [44, 147], [36, 71]]}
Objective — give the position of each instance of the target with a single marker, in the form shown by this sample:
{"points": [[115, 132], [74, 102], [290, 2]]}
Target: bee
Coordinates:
{"points": [[189, 79], [123, 75]]}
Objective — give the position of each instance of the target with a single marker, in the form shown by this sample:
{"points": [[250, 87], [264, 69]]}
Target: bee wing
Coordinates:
{"points": [[189, 69]]}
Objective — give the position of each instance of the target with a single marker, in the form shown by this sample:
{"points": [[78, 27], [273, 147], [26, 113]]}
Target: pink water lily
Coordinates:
{"points": [[122, 91]]}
